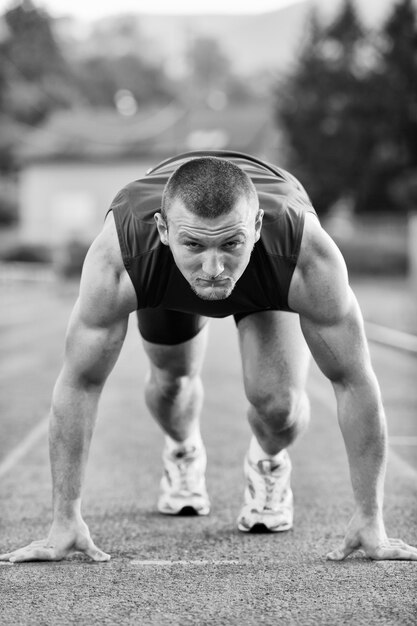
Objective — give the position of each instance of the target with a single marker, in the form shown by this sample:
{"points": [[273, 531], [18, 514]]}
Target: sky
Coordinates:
{"points": [[93, 9]]}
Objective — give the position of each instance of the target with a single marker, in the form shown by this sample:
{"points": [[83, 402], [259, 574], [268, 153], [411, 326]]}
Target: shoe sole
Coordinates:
{"points": [[259, 528], [185, 511]]}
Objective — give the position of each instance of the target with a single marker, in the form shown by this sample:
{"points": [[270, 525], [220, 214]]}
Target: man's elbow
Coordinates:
{"points": [[76, 382]]}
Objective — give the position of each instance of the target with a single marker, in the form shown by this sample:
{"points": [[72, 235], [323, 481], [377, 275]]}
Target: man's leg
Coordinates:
{"points": [[275, 360], [174, 391], [174, 396]]}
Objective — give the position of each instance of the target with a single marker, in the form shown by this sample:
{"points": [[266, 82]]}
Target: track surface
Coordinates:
{"points": [[192, 570]]}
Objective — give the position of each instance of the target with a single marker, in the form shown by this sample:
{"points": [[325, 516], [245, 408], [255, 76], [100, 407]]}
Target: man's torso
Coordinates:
{"points": [[264, 284]]}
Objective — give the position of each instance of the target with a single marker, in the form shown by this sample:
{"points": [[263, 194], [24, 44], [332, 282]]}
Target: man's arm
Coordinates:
{"points": [[94, 338], [333, 327]]}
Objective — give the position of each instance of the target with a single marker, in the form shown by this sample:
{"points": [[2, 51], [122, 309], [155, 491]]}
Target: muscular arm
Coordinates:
{"points": [[333, 327], [94, 338], [91, 351]]}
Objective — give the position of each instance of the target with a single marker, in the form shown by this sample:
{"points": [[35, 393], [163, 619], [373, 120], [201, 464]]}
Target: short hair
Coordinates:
{"points": [[208, 186]]}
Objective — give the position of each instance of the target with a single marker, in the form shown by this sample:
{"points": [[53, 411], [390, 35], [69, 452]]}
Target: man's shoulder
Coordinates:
{"points": [[105, 249], [105, 284], [281, 193], [316, 244], [139, 199], [285, 212]]}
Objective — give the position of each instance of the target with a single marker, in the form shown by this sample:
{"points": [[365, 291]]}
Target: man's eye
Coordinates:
{"points": [[230, 245], [192, 244]]}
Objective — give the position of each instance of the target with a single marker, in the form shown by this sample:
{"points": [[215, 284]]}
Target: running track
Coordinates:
{"points": [[189, 570]]}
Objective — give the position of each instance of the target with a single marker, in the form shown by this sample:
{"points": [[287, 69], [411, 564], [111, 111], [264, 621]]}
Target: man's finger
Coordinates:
{"points": [[8, 555], [36, 554], [399, 543], [395, 554], [96, 554], [341, 553], [411, 549]]}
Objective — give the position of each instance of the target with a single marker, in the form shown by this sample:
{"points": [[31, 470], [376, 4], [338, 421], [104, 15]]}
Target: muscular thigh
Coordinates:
{"points": [[275, 356]]}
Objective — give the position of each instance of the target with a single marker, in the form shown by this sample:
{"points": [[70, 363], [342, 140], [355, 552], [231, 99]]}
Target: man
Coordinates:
{"points": [[211, 235]]}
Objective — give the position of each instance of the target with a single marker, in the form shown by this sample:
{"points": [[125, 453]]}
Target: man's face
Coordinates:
{"points": [[211, 254]]}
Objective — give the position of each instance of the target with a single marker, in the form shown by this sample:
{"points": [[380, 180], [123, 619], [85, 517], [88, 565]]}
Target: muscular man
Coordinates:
{"points": [[210, 235]]}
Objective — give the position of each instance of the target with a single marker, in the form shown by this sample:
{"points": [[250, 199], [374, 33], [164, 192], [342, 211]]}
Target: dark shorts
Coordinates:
{"points": [[172, 327]]}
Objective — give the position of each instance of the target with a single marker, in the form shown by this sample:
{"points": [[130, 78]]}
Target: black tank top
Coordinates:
{"points": [[266, 280]]}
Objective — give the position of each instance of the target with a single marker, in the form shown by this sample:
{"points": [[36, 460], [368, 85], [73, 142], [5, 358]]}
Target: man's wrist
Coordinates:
{"points": [[370, 515], [66, 510]]}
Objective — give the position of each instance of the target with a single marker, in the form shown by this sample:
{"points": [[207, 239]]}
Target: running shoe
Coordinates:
{"points": [[183, 485], [268, 496]]}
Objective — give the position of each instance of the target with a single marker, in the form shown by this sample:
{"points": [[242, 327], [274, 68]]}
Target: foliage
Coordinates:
{"points": [[38, 75], [36, 78], [350, 109]]}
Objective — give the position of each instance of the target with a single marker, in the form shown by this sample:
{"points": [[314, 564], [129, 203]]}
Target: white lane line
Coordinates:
{"points": [[24, 446], [391, 337], [165, 563]]}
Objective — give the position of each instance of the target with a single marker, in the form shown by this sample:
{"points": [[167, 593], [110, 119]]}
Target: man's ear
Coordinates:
{"points": [[258, 224], [162, 228]]}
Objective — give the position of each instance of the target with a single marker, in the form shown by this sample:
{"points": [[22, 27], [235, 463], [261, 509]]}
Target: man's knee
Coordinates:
{"points": [[286, 410]]}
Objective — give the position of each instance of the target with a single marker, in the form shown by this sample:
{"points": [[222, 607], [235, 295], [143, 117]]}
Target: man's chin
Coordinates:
{"points": [[212, 293], [212, 296]]}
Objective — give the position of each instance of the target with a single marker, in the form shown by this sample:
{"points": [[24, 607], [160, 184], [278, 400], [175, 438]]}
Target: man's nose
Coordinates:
{"points": [[213, 264]]}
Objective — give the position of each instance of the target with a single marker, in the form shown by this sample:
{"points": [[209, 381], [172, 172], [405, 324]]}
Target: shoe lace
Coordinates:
{"points": [[274, 488], [185, 479]]}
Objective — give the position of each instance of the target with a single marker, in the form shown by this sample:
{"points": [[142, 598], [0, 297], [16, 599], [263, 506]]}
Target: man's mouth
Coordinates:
{"points": [[213, 289], [209, 282]]}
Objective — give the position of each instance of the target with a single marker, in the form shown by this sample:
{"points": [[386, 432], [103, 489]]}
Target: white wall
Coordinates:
{"points": [[63, 200]]}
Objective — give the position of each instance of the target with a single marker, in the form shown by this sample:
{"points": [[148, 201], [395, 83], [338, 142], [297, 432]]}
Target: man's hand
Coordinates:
{"points": [[62, 541], [368, 535]]}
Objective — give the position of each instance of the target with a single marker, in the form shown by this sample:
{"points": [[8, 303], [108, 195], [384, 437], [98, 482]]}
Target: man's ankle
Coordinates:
{"points": [[192, 441], [257, 453]]}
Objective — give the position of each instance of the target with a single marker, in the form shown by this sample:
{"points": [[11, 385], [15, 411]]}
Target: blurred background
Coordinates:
{"points": [[90, 99]]}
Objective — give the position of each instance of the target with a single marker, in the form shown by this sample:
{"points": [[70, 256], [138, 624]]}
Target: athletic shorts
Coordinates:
{"points": [[169, 328]]}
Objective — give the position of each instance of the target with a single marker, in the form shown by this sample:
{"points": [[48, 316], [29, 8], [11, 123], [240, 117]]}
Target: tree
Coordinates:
{"points": [[398, 74], [37, 78], [117, 58], [330, 109], [399, 64]]}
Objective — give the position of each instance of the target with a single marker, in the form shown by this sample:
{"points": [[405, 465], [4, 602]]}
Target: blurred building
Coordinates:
{"points": [[72, 167]]}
